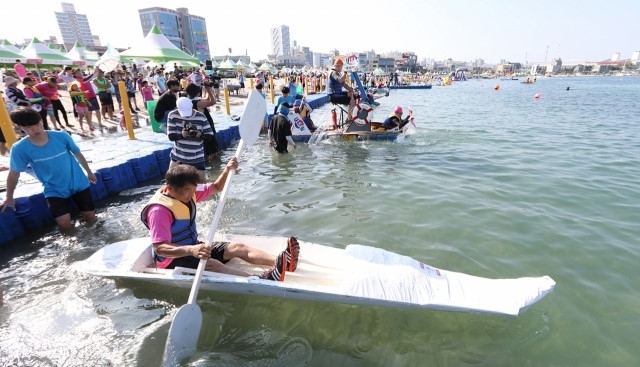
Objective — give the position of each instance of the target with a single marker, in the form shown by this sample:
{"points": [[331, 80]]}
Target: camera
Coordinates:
{"points": [[193, 131]]}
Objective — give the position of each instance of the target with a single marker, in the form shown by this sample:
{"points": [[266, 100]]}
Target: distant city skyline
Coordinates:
{"points": [[464, 30]]}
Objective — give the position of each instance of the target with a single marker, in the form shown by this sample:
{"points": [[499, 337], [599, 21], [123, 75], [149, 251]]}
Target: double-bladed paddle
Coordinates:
{"points": [[187, 322]]}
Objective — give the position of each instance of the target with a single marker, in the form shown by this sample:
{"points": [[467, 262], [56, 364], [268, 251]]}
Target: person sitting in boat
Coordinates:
{"points": [[395, 120], [301, 107], [337, 86], [170, 217]]}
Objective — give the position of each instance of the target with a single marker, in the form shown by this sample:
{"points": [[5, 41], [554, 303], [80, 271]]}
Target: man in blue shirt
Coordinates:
{"points": [[285, 102], [57, 162]]}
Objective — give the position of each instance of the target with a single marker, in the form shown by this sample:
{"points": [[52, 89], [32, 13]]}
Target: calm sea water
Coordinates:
{"points": [[494, 183]]}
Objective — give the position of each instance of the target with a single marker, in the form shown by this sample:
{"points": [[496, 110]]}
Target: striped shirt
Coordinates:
{"points": [[188, 150], [16, 95]]}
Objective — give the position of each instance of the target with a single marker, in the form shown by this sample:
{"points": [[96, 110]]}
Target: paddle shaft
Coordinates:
{"points": [[212, 229]]}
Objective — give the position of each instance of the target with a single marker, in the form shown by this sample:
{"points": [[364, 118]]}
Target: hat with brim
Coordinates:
{"points": [[10, 80]]}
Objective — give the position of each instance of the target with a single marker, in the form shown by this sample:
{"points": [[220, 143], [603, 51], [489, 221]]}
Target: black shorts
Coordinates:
{"points": [[106, 99], [192, 262], [343, 99], [131, 94], [62, 206], [217, 252], [93, 104]]}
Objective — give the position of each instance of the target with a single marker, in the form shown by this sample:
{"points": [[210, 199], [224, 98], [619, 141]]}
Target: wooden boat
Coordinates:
{"points": [[357, 275]]}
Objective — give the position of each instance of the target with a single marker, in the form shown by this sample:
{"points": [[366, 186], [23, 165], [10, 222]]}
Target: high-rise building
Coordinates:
{"points": [[188, 32], [74, 27], [280, 43]]}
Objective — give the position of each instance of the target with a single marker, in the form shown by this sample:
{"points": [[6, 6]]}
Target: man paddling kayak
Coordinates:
{"points": [[170, 216]]}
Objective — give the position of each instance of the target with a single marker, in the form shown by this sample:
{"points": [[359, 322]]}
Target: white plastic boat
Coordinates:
{"points": [[359, 275]]}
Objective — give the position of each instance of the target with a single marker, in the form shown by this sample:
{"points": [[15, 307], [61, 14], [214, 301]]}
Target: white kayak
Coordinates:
{"points": [[358, 275]]}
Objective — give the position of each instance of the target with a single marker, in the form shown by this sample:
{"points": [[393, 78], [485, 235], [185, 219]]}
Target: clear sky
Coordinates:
{"points": [[463, 30]]}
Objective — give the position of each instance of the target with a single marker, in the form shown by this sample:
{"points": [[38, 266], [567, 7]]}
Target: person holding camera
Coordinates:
{"points": [[202, 105], [188, 129]]}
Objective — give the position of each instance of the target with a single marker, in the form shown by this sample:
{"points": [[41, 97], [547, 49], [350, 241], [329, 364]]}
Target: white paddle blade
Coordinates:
{"points": [[251, 121], [183, 335]]}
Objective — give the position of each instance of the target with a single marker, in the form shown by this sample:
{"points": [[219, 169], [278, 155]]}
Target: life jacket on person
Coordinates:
{"points": [[183, 228], [37, 96], [300, 108], [334, 86], [392, 121]]}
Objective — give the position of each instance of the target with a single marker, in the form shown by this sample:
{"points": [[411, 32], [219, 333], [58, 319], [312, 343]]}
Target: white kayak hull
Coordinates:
{"points": [[358, 275]]}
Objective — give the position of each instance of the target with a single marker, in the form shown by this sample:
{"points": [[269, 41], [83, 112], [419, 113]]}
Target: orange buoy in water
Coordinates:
{"points": [[496, 87], [537, 96]]}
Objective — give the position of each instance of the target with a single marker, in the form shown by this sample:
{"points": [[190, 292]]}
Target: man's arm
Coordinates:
{"points": [[168, 249], [210, 101], [83, 162], [218, 185], [12, 182], [87, 78]]}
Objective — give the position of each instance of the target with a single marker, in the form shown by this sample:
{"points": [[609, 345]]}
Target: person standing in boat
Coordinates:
{"points": [[57, 162], [170, 217], [337, 86], [395, 120]]}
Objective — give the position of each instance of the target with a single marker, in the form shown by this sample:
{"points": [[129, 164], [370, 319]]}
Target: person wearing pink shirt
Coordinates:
{"points": [[90, 94], [147, 93], [40, 103], [20, 70], [49, 89]]}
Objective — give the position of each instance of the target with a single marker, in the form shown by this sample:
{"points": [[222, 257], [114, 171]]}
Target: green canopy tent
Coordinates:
{"points": [[37, 50], [227, 64], [9, 57], [9, 46], [157, 47], [378, 72], [265, 67]]}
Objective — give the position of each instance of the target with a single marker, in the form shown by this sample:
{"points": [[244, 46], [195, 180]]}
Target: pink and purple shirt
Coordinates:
{"points": [[160, 218]]}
